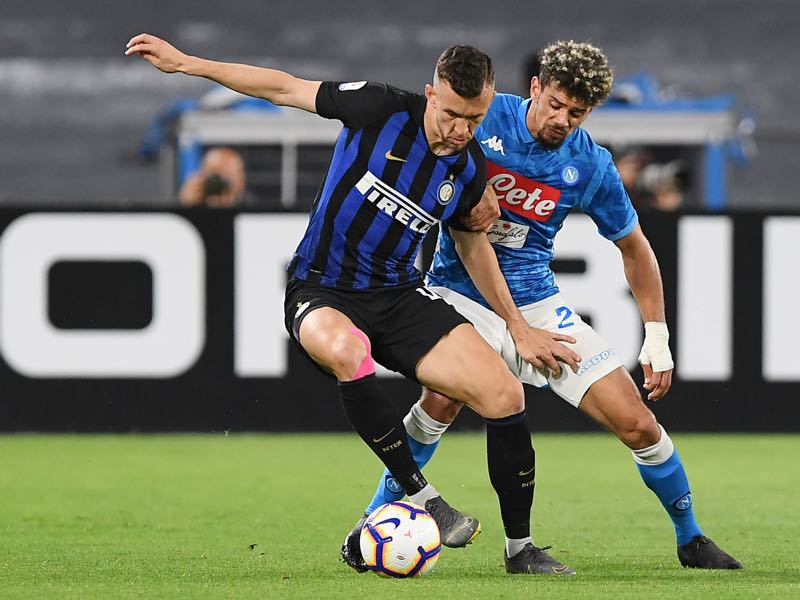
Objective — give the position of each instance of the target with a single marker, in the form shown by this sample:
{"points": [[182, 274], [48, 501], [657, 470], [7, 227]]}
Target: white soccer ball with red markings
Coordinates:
{"points": [[400, 539]]}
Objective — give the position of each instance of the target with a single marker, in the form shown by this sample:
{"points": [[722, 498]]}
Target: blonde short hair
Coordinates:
{"points": [[579, 68]]}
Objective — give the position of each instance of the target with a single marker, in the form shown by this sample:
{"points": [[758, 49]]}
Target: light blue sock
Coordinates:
{"points": [[423, 438], [667, 479]]}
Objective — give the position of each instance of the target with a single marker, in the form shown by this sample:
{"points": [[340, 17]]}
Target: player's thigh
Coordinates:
{"points": [[405, 329], [493, 329], [463, 367], [598, 358], [614, 401], [320, 321], [487, 323]]}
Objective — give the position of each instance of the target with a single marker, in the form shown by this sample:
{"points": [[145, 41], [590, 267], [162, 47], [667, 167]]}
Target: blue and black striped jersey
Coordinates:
{"points": [[384, 190]]}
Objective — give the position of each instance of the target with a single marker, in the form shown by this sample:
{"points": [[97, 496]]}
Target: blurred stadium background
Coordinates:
{"points": [[74, 110]]}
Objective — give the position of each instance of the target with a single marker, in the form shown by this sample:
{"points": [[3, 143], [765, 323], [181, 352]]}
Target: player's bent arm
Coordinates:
{"points": [[644, 279], [276, 86], [479, 258], [643, 275], [539, 347]]}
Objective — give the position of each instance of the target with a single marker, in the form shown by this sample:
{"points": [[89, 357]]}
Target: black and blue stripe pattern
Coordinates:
{"points": [[383, 191]]}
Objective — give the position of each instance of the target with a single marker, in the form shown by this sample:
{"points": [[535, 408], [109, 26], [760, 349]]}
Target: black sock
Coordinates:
{"points": [[512, 471], [375, 419]]}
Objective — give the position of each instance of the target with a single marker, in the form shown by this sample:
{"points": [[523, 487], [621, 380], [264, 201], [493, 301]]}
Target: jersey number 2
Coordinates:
{"points": [[565, 313]]}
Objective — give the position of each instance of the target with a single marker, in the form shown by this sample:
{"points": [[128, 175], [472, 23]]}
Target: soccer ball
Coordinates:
{"points": [[400, 539]]}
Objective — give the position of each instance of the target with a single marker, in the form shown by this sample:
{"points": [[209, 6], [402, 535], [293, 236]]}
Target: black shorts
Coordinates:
{"points": [[402, 322]]}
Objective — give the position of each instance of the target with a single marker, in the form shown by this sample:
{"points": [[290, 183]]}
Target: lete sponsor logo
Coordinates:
{"points": [[521, 195]]}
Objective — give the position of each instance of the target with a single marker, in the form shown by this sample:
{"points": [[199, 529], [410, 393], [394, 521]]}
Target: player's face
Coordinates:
{"points": [[451, 120], [553, 114]]}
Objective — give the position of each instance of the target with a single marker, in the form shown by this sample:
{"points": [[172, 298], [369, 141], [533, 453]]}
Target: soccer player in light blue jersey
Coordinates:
{"points": [[541, 165]]}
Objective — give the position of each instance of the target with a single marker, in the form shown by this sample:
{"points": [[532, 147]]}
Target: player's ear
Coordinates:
{"points": [[430, 94], [535, 87]]}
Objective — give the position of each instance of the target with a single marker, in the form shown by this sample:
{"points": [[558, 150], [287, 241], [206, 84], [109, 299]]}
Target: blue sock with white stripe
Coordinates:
{"points": [[423, 438], [662, 471]]}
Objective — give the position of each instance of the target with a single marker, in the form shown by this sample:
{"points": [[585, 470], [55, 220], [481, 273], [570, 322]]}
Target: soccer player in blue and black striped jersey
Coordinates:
{"points": [[403, 163]]}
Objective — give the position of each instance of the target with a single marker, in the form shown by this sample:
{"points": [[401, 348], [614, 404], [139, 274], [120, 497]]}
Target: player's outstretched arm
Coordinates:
{"points": [[542, 348], [276, 86], [644, 279]]}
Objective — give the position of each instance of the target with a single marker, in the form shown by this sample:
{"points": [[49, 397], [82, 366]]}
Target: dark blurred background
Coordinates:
{"points": [[73, 109]]}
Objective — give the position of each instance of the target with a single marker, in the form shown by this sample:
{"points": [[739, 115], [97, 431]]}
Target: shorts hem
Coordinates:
{"points": [[586, 384]]}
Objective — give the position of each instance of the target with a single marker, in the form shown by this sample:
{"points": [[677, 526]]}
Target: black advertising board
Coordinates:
{"points": [[172, 321]]}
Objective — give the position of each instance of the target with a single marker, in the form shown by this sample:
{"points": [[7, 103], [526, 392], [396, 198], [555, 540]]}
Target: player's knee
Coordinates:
{"points": [[346, 355], [439, 407], [639, 429], [506, 397]]}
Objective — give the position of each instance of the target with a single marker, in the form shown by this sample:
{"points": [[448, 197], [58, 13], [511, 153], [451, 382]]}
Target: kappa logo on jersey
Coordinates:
{"points": [[495, 143], [395, 204], [351, 86], [521, 195]]}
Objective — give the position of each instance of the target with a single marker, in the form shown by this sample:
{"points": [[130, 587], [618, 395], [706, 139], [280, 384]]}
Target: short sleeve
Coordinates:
{"points": [[359, 103], [610, 207]]}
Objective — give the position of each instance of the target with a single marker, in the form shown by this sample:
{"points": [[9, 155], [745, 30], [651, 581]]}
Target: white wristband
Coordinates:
{"points": [[655, 350]]}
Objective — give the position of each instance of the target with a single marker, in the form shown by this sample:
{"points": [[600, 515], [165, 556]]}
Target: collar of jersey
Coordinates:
{"points": [[522, 127]]}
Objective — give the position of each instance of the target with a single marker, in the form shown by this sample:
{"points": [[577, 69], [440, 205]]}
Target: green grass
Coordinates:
{"points": [[175, 516]]}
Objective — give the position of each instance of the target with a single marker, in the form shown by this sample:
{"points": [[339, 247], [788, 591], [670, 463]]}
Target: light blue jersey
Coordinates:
{"points": [[537, 187]]}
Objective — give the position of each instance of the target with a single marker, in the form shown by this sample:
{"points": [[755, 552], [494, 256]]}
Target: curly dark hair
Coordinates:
{"points": [[579, 68], [467, 70]]}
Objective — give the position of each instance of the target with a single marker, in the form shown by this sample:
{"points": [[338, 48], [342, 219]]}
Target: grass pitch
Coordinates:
{"points": [[262, 516]]}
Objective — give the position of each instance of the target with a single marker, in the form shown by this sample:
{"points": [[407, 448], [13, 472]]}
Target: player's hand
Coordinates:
{"points": [[544, 350], [484, 213], [656, 360], [162, 55]]}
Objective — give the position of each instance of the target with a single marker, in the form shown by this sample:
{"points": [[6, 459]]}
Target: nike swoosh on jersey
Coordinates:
{"points": [[390, 156]]}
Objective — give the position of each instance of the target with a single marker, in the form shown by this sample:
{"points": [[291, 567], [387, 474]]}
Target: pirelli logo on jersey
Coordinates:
{"points": [[521, 195], [395, 204]]}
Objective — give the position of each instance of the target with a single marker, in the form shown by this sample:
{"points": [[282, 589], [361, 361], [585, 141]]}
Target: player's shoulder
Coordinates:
{"points": [[377, 87], [362, 102], [474, 151], [410, 98], [505, 104], [396, 96], [581, 145]]}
